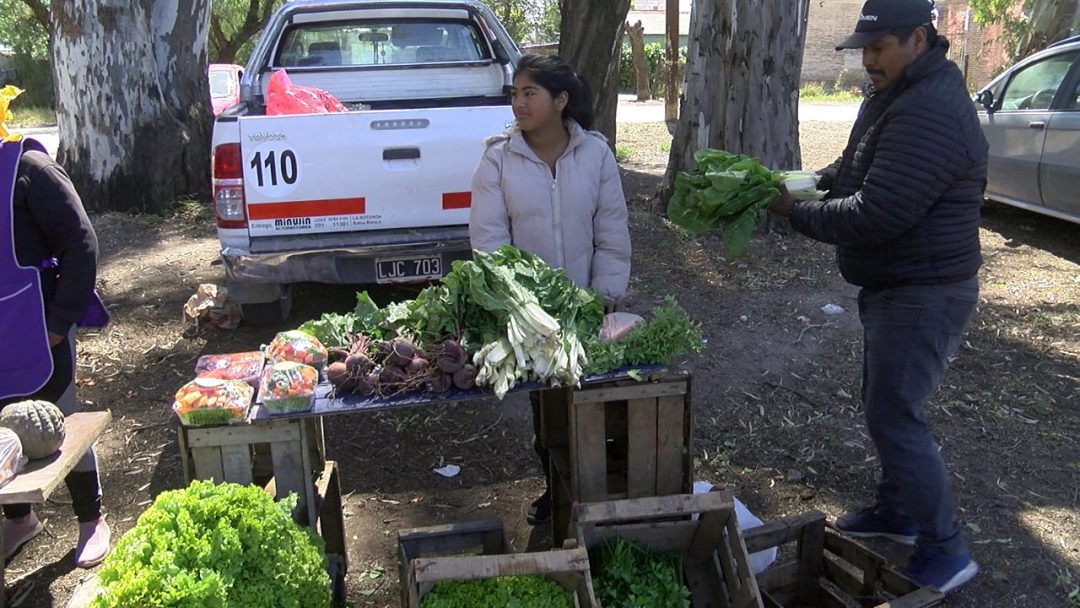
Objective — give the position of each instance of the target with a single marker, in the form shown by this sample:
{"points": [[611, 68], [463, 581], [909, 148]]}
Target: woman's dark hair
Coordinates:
{"points": [[552, 73]]}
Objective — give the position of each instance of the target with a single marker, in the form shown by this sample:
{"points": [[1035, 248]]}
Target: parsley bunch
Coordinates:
{"points": [[627, 575], [498, 592], [216, 546]]}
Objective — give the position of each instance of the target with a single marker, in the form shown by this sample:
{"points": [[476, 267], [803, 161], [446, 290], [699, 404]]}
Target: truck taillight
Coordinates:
{"points": [[228, 181]]}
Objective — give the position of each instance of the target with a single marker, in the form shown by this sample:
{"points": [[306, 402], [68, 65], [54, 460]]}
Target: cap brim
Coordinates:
{"points": [[861, 40]]}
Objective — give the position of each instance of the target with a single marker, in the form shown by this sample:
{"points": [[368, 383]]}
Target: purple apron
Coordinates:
{"points": [[26, 363]]}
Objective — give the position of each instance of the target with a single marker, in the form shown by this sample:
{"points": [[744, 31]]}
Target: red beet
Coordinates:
{"points": [[439, 382], [358, 363], [417, 366], [337, 373], [452, 356], [465, 378], [401, 352]]}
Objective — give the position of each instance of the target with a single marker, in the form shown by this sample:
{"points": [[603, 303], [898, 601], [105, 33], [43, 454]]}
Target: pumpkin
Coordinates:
{"points": [[39, 425]]}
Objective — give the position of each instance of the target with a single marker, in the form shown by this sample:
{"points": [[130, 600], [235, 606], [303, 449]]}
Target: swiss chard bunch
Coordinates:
{"points": [[729, 191], [627, 575], [499, 592], [216, 546]]}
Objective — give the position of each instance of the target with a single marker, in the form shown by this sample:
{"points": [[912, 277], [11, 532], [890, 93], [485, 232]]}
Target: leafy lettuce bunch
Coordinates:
{"points": [[216, 546]]}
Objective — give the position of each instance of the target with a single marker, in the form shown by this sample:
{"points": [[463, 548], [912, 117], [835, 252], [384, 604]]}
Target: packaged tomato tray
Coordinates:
{"points": [[236, 366], [212, 401], [298, 347], [288, 387]]}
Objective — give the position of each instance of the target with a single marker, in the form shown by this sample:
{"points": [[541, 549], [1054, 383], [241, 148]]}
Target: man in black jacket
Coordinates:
{"points": [[903, 210]]}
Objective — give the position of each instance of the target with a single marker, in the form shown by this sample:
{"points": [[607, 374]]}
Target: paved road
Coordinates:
{"points": [[628, 111], [653, 111], [48, 136]]}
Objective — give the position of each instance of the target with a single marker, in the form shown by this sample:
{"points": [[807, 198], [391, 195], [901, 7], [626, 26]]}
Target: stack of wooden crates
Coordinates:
{"points": [[624, 439]]}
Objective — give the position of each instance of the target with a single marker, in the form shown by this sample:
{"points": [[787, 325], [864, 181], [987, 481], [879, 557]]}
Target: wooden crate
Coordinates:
{"points": [[715, 562], [226, 453], [479, 550], [618, 440], [331, 527], [829, 570]]}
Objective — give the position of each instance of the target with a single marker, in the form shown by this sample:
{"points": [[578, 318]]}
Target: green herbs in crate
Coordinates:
{"points": [[499, 592], [627, 575]]}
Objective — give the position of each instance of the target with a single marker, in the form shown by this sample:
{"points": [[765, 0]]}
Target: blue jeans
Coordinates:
{"points": [[909, 334]]}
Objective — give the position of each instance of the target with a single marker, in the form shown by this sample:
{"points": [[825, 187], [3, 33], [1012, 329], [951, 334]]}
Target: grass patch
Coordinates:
{"points": [[816, 92], [623, 153], [32, 116], [193, 210]]}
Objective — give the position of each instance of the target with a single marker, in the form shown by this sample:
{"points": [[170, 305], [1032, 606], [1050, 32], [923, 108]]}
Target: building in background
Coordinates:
{"points": [[976, 49], [651, 13]]}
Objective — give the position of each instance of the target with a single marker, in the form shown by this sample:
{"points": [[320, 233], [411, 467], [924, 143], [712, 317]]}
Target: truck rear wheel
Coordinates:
{"points": [[268, 313]]}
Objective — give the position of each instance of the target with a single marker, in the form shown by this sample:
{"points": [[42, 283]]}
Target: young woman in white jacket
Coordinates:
{"points": [[550, 186]]}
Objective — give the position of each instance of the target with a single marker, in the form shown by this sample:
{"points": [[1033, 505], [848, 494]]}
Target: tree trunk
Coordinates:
{"points": [[589, 40], [636, 33], [133, 105], [742, 83]]}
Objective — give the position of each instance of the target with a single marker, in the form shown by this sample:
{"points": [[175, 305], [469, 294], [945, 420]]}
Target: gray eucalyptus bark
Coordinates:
{"points": [[741, 89], [589, 40], [132, 100]]}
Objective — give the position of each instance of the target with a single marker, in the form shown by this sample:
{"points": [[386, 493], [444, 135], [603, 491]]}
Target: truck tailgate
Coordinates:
{"points": [[367, 170]]}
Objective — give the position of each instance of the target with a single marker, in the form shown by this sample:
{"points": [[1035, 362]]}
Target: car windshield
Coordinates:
{"points": [[371, 43], [221, 84]]}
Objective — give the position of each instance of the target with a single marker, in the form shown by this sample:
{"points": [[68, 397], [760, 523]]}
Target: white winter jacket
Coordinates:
{"points": [[576, 220]]}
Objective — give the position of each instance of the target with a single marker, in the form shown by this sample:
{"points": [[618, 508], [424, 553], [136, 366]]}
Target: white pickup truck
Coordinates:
{"points": [[378, 194]]}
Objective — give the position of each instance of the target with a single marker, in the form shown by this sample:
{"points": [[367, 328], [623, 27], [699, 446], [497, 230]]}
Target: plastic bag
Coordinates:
{"points": [[284, 97], [758, 561], [12, 459], [299, 347], [617, 324]]}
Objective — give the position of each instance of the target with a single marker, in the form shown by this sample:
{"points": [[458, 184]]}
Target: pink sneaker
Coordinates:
{"points": [[18, 532], [95, 538]]}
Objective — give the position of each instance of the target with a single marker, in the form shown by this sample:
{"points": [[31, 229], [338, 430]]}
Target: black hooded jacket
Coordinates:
{"points": [[904, 199]]}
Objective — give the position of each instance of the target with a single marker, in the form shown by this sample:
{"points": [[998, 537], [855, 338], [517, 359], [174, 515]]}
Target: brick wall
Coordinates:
{"points": [[830, 21], [976, 49]]}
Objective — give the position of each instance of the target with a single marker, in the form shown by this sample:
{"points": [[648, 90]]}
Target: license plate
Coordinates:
{"points": [[402, 270]]}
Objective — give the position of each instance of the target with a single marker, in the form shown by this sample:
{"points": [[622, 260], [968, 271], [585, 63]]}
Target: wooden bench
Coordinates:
{"points": [[42, 476]]}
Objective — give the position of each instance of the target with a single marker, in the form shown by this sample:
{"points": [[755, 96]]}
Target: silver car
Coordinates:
{"points": [[1031, 117]]}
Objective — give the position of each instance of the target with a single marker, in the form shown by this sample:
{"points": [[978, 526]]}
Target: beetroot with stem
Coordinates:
{"points": [[465, 378], [337, 373], [401, 352], [337, 355], [364, 385], [438, 382], [417, 366], [358, 363], [391, 378], [451, 356]]}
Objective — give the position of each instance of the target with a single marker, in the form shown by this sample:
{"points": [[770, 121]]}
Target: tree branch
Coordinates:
{"points": [[41, 12]]}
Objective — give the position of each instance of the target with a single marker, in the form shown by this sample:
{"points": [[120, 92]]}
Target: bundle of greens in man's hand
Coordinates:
{"points": [[729, 191]]}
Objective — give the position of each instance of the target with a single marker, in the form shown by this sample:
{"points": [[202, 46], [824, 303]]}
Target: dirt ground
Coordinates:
{"points": [[775, 395]]}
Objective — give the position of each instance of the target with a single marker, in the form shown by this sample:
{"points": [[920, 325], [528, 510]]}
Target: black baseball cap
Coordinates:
{"points": [[879, 17]]}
